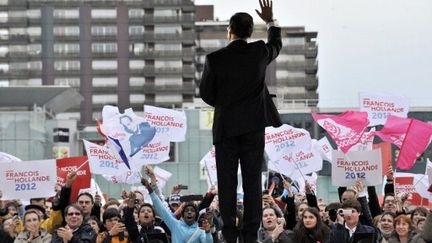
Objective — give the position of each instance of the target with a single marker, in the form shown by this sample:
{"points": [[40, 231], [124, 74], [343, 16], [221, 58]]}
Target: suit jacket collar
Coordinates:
{"points": [[237, 43]]}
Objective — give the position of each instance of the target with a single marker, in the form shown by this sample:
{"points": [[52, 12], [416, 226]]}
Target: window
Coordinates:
{"points": [[168, 47], [137, 81], [137, 98], [168, 98], [104, 47], [104, 65], [66, 30], [104, 13], [136, 30], [66, 13], [168, 64], [167, 29], [73, 82], [66, 65], [169, 81], [136, 64], [166, 12], [105, 99], [66, 48], [104, 30], [136, 13], [105, 82]]}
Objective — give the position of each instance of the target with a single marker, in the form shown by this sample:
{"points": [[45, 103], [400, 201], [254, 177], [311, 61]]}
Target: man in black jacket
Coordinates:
{"points": [[233, 82]]}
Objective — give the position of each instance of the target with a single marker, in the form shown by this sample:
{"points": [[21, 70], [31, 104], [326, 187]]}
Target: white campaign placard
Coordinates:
{"points": [[365, 165], [28, 179], [162, 176], [297, 163], [170, 124], [130, 177], [102, 162], [380, 105], [279, 141], [211, 171], [325, 149], [156, 152]]}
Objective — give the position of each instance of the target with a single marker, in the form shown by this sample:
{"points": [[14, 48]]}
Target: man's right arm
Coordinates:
{"points": [[274, 43]]}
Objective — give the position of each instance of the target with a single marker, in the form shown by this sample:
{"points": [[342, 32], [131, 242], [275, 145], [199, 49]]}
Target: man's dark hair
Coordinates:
{"points": [[241, 25], [352, 204], [86, 194]]}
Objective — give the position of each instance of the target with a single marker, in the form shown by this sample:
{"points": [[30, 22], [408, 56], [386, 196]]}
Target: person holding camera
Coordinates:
{"points": [[114, 228], [186, 229], [352, 231]]}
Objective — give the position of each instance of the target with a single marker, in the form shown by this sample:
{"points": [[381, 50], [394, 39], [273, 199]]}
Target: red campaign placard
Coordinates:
{"points": [[386, 155], [64, 166], [406, 184]]}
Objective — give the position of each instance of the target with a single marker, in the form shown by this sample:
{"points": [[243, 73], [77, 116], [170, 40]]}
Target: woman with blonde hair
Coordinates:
{"points": [[33, 233]]}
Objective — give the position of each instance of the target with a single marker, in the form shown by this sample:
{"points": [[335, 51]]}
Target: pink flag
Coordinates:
{"points": [[417, 139], [394, 130], [346, 129]]}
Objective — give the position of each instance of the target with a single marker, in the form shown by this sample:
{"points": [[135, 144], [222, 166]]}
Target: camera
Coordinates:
{"points": [[344, 212]]}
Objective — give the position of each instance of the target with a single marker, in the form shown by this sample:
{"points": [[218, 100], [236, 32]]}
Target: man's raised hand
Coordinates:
{"points": [[266, 10]]}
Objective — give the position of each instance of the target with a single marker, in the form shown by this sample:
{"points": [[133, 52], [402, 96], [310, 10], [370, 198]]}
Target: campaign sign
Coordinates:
{"points": [[284, 139], [82, 168], [102, 162], [379, 106], [28, 179], [162, 176], [170, 124], [413, 186], [297, 163], [325, 149], [364, 165], [129, 177], [155, 152]]}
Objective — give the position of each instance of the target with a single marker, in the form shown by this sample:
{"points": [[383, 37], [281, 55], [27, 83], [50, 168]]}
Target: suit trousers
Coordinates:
{"points": [[248, 150]]}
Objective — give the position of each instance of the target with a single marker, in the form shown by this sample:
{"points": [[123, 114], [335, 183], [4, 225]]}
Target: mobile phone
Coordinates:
{"points": [[183, 187]]}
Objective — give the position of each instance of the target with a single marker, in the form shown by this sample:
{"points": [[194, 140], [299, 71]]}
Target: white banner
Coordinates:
{"points": [[130, 177], [365, 143], [4, 157], [312, 180], [211, 171], [162, 176], [380, 105], [102, 162], [28, 179], [416, 184], [170, 125], [282, 140], [325, 149], [155, 152], [301, 162], [365, 165], [129, 130]]}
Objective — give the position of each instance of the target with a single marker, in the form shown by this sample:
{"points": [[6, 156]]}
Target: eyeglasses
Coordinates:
{"points": [[74, 213], [389, 202]]}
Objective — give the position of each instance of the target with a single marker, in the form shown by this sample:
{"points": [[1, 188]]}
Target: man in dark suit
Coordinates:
{"points": [[233, 82]]}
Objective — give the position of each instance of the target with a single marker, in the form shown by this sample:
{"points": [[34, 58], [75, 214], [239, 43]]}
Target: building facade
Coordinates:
{"points": [[292, 77], [124, 53]]}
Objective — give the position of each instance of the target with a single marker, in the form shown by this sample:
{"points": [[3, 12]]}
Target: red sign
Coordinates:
{"points": [[64, 166], [406, 184], [386, 156]]}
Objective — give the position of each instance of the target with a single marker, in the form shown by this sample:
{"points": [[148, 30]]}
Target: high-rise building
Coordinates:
{"points": [[124, 53], [292, 77]]}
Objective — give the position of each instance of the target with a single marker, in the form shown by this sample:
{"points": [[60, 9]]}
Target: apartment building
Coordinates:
{"points": [[124, 53]]}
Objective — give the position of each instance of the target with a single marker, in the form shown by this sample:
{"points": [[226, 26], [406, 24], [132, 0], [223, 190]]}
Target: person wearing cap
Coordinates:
{"points": [[33, 233], [186, 229]]}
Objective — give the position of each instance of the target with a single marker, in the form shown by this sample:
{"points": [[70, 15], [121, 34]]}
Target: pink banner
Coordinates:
{"points": [[346, 129], [394, 130], [417, 139]]}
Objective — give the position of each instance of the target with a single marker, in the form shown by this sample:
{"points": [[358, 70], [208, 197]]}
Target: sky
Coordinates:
{"points": [[363, 45]]}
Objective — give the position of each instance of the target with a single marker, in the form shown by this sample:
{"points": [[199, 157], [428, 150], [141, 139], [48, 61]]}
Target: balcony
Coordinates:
{"points": [[150, 19], [310, 82], [186, 36]]}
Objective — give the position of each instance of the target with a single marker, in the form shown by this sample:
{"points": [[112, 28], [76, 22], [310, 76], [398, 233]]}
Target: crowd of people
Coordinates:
{"points": [[288, 216]]}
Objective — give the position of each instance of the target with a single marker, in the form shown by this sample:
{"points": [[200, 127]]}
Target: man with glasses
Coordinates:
{"points": [[352, 230], [74, 230], [233, 81]]}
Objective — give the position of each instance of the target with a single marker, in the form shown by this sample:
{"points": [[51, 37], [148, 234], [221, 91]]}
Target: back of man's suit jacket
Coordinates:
{"points": [[233, 82]]}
